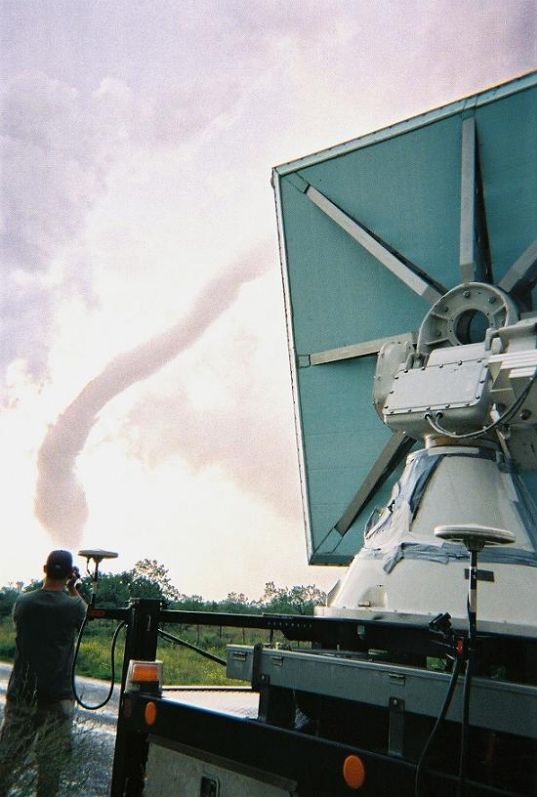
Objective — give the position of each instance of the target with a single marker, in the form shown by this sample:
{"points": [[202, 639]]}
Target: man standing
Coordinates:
{"points": [[40, 701]]}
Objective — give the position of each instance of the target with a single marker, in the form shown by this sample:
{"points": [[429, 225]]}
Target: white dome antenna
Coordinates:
{"points": [[97, 554]]}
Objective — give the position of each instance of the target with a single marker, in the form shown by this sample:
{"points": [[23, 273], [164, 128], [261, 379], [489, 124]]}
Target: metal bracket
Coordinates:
{"points": [[355, 350], [411, 275], [474, 257], [396, 726], [522, 275], [259, 680], [391, 455], [482, 575]]}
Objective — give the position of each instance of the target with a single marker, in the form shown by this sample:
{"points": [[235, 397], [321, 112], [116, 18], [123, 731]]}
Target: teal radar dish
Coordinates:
{"points": [[373, 232]]}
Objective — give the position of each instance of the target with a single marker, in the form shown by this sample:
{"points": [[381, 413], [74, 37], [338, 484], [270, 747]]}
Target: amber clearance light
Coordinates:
{"points": [[144, 676]]}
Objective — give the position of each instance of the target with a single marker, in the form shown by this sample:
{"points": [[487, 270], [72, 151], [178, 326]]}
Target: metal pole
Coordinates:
{"points": [[130, 753], [473, 546], [472, 597]]}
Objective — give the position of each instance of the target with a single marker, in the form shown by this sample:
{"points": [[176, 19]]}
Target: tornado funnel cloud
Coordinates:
{"points": [[60, 500]]}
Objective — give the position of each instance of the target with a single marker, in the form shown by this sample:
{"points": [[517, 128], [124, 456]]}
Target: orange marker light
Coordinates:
{"points": [[144, 676], [143, 671], [150, 713], [354, 772]]}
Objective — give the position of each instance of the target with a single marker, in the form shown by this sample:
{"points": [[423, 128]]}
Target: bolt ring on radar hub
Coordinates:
{"points": [[463, 315]]}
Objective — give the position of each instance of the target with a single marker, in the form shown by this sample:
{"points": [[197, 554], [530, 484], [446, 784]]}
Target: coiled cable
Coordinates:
{"points": [[112, 667]]}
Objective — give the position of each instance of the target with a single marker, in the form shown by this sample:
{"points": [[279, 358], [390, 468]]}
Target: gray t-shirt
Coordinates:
{"points": [[46, 621]]}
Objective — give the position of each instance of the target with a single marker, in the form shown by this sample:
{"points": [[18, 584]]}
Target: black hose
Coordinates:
{"points": [[440, 719], [112, 667]]}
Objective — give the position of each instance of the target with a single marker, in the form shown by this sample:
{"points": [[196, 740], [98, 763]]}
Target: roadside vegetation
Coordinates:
{"points": [[149, 579]]}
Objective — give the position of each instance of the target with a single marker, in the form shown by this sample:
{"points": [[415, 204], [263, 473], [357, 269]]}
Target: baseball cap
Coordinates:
{"points": [[59, 564]]}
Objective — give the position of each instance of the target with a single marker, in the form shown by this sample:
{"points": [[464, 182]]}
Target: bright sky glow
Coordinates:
{"points": [[137, 146]]}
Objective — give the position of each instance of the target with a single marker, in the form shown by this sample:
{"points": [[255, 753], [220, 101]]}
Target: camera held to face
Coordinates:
{"points": [[74, 578]]}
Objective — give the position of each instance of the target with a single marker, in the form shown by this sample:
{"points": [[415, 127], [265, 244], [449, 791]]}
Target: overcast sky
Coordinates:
{"points": [[146, 401]]}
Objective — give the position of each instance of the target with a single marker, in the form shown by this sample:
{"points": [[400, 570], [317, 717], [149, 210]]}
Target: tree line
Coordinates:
{"points": [[150, 579]]}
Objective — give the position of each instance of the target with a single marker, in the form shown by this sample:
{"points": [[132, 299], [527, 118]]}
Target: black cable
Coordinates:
{"points": [[440, 719], [112, 667], [465, 723], [470, 659]]}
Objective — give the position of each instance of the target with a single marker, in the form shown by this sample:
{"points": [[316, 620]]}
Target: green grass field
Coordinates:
{"points": [[180, 665]]}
